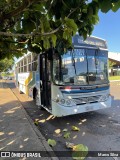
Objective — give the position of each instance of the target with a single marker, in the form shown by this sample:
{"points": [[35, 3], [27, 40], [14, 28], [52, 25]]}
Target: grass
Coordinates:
{"points": [[7, 74], [114, 78]]}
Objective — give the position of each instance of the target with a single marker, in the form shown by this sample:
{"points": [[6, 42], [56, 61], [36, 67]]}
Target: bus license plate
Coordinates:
{"points": [[89, 108]]}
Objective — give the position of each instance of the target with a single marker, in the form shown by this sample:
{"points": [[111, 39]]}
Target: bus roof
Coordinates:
{"points": [[89, 42]]}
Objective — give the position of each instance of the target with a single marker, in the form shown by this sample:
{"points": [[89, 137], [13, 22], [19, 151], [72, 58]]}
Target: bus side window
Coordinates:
{"points": [[29, 67], [21, 69], [25, 68], [29, 62], [34, 66], [34, 62], [25, 65], [21, 66]]}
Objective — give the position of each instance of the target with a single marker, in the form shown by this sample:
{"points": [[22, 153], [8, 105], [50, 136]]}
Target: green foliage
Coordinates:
{"points": [[28, 25], [53, 22], [116, 5], [79, 152], [105, 5], [6, 65], [111, 64], [70, 25], [67, 135], [51, 142], [114, 78], [54, 38], [7, 74], [74, 128], [36, 122]]}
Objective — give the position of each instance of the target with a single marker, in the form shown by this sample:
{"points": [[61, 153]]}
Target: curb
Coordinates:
{"points": [[40, 136], [37, 132]]}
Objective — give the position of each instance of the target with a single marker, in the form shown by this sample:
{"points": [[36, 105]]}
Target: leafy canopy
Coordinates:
{"points": [[36, 25], [6, 65]]}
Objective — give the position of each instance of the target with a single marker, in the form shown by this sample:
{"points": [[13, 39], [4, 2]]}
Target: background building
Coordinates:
{"points": [[114, 59]]}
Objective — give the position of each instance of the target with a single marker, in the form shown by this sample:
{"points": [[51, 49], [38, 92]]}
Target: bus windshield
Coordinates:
{"points": [[81, 67]]}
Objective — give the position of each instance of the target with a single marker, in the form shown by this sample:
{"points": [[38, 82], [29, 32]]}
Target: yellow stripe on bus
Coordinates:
{"points": [[27, 81], [26, 90]]}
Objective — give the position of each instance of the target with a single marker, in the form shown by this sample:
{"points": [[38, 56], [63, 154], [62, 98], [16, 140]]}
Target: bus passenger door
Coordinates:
{"points": [[45, 78]]}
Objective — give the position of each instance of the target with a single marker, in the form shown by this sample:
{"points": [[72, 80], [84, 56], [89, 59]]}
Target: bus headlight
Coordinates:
{"points": [[62, 101], [65, 102]]}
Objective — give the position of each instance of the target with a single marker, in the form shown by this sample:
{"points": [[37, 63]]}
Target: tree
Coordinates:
{"points": [[111, 64], [6, 65], [36, 25]]}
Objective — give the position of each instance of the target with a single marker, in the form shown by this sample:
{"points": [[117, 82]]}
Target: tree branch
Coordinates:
{"points": [[35, 33], [29, 35], [20, 9], [72, 12], [26, 4]]}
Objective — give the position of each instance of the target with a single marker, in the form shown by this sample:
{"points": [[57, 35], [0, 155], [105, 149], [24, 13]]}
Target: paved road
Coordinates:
{"points": [[99, 131]]}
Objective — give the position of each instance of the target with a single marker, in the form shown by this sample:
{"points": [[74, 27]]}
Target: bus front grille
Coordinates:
{"points": [[86, 100]]}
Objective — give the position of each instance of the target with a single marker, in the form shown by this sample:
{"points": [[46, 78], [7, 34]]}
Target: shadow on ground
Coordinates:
{"points": [[97, 129]]}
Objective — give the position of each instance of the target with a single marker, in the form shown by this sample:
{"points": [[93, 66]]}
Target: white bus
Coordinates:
{"points": [[68, 83]]}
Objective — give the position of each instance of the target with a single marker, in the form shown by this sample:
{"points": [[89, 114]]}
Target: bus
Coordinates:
{"points": [[68, 83]]}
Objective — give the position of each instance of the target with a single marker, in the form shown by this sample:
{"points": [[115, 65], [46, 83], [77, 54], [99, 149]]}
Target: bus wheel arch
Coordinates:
{"points": [[34, 93]]}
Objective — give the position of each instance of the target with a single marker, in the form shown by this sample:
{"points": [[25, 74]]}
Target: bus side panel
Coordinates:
{"points": [[22, 77], [33, 81], [29, 81], [26, 82]]}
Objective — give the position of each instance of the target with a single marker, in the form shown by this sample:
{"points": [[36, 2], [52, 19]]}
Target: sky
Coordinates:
{"points": [[108, 28]]}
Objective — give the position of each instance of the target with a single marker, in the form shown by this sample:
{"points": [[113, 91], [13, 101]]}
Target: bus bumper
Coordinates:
{"points": [[60, 110]]}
